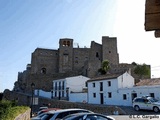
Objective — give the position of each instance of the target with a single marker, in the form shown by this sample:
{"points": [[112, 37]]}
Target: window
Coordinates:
{"points": [[43, 70], [59, 85], [66, 43], [63, 85], [101, 86], [94, 95], [124, 97], [109, 83], [56, 94], [55, 85], [152, 95], [97, 55], [62, 93], [93, 84], [109, 94], [86, 84]]}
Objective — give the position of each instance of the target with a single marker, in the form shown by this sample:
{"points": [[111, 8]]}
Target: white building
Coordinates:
{"points": [[120, 89], [105, 90], [71, 88], [117, 89]]}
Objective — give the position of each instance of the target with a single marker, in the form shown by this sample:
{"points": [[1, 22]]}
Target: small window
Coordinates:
{"points": [[93, 84], [97, 55], [94, 95], [152, 95], [43, 70], [101, 86], [124, 97], [55, 93], [86, 84], [109, 83], [55, 85], [68, 43], [62, 93], [109, 95], [64, 43]]}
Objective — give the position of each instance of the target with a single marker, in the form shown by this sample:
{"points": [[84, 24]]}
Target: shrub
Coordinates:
{"points": [[9, 110]]}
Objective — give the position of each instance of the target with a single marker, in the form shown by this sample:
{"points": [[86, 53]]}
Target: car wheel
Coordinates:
{"points": [[136, 107], [155, 109]]}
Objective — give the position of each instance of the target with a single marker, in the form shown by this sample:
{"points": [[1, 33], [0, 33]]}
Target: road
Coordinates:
{"points": [[137, 117], [131, 114], [131, 111]]}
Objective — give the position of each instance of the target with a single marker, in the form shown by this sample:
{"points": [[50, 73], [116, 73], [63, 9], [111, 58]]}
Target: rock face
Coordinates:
{"points": [[152, 16]]}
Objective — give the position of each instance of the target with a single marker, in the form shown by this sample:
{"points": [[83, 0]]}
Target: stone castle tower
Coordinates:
{"points": [[69, 59], [65, 55]]}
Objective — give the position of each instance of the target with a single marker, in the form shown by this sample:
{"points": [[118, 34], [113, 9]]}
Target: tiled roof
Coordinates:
{"points": [[104, 77], [149, 82]]}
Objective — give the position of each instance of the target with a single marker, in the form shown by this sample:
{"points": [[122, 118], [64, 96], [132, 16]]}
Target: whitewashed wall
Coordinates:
{"points": [[78, 97], [125, 80], [117, 98], [77, 83], [42, 93]]}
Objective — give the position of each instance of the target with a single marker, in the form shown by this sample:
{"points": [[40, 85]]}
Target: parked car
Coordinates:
{"points": [[147, 103], [44, 107], [87, 116], [47, 110], [59, 114]]}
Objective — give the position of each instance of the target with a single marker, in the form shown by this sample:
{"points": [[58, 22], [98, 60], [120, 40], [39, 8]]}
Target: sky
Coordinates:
{"points": [[28, 24]]}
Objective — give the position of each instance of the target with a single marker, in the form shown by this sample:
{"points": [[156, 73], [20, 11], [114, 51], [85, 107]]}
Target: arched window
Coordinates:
{"points": [[68, 43], [64, 43], [43, 70]]}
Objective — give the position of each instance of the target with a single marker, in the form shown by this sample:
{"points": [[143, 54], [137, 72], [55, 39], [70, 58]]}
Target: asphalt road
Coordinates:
{"points": [[131, 114], [131, 111], [137, 117]]}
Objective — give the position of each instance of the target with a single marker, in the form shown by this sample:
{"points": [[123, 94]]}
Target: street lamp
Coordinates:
{"points": [[32, 87]]}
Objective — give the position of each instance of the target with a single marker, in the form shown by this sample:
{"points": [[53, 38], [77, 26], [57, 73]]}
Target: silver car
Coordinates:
{"points": [[87, 116], [59, 114], [146, 103]]}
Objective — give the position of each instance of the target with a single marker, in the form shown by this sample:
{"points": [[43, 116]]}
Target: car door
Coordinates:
{"points": [[148, 105], [141, 103]]}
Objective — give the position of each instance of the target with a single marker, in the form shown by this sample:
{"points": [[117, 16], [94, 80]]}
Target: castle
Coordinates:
{"points": [[49, 64]]}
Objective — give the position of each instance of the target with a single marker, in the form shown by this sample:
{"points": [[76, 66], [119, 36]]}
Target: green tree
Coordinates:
{"points": [[105, 67], [134, 63], [142, 70]]}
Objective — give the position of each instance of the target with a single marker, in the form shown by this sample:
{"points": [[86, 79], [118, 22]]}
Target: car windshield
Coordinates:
{"points": [[152, 99]]}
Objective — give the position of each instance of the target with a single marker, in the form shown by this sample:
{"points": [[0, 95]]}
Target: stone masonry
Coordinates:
{"points": [[50, 64]]}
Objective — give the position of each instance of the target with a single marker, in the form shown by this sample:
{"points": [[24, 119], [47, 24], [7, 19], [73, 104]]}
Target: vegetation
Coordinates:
{"points": [[9, 110], [142, 70], [105, 67]]}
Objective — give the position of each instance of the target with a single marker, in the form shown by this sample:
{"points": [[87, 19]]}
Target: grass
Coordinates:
{"points": [[9, 110]]}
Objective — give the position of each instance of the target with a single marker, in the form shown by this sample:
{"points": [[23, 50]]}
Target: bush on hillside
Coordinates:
{"points": [[9, 110]]}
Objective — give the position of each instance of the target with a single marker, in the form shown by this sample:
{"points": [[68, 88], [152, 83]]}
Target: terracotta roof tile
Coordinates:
{"points": [[104, 77], [149, 82]]}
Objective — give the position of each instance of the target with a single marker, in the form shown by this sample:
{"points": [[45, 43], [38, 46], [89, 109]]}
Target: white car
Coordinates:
{"points": [[146, 103], [59, 114]]}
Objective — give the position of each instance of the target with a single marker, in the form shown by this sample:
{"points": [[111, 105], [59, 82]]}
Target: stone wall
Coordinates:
{"points": [[24, 99], [44, 61]]}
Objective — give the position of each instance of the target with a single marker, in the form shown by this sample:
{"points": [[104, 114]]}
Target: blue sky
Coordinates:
{"points": [[28, 24]]}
